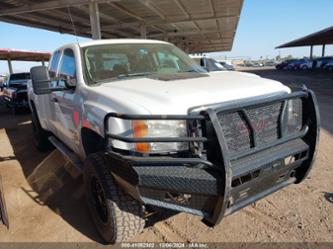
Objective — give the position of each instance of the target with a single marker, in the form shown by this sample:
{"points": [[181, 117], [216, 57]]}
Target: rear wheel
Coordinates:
{"points": [[116, 214]]}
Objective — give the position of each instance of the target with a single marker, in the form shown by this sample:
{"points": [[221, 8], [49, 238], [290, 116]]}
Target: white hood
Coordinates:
{"points": [[177, 96]]}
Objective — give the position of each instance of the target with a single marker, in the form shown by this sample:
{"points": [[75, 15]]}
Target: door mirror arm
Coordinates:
{"points": [[70, 83]]}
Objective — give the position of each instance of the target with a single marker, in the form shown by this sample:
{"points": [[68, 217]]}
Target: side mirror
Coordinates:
{"points": [[40, 78]]}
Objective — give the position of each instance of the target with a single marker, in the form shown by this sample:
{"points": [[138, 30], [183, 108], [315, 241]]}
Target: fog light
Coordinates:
{"points": [[289, 160]]}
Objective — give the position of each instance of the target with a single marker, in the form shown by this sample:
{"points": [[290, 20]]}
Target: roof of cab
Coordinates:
{"points": [[120, 41]]}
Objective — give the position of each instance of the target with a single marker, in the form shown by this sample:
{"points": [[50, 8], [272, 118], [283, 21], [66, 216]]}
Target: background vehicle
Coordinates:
{"points": [[257, 64], [15, 92], [320, 63], [209, 64], [2, 82], [300, 64], [328, 66], [150, 133], [271, 63], [227, 65], [284, 64], [304, 64]]}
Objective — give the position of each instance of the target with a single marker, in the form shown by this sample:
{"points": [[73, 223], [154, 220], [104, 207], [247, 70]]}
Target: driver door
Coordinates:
{"points": [[67, 103]]}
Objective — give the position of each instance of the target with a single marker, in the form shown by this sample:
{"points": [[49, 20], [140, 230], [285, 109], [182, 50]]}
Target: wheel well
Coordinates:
{"points": [[32, 105], [91, 141]]}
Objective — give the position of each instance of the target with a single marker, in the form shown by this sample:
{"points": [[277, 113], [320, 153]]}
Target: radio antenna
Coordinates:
{"points": [[72, 22]]}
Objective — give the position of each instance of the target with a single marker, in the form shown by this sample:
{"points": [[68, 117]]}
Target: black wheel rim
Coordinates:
{"points": [[98, 200]]}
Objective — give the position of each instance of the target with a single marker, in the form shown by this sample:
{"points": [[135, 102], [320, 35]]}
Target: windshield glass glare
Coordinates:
{"points": [[117, 61]]}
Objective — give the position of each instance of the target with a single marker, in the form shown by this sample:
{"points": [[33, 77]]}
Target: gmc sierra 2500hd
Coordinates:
{"points": [[149, 127]]}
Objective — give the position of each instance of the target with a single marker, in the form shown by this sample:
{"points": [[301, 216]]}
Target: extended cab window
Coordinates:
{"points": [[68, 66], [54, 64]]}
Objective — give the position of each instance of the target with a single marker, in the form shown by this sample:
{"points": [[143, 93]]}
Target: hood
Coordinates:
{"points": [[177, 96]]}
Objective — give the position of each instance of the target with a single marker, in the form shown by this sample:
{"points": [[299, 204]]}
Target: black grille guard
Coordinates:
{"points": [[309, 132]]}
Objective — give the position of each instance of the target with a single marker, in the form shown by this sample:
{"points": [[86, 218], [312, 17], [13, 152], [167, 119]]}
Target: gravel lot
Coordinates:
{"points": [[47, 204]]}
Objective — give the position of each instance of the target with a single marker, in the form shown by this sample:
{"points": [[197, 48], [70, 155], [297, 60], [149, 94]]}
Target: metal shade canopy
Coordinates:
{"points": [[323, 37], [22, 55], [194, 25]]}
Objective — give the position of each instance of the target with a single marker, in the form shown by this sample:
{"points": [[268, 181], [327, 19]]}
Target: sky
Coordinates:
{"points": [[264, 24]]}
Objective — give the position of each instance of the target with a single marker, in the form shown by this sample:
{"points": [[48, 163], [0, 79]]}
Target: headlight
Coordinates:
{"points": [[159, 128], [294, 116]]}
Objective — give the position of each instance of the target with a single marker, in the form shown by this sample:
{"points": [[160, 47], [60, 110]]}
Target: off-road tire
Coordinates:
{"points": [[40, 135], [124, 214]]}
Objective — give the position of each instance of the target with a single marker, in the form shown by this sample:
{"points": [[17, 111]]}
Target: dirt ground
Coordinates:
{"points": [[57, 212]]}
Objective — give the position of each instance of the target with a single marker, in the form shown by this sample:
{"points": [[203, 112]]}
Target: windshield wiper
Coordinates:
{"points": [[122, 76], [128, 75], [191, 70]]}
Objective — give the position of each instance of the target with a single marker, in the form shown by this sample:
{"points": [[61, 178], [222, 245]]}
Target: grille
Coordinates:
{"points": [[264, 120]]}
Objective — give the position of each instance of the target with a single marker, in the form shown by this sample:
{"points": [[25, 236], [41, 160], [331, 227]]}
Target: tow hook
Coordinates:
{"points": [[3, 210]]}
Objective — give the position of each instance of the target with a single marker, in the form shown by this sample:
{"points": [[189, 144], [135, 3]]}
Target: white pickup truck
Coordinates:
{"points": [[150, 128]]}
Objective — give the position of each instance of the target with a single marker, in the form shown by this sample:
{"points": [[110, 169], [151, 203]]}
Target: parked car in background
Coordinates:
{"points": [[320, 63], [227, 65], [15, 91], [284, 64], [257, 64], [248, 63], [2, 82], [328, 66], [305, 64], [270, 63], [300, 64], [208, 63]]}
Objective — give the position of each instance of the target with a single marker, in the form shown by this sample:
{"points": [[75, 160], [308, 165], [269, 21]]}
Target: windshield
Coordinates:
{"points": [[113, 62], [19, 78]]}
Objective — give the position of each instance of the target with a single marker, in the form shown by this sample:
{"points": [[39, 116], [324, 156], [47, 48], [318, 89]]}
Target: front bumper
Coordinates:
{"points": [[221, 183]]}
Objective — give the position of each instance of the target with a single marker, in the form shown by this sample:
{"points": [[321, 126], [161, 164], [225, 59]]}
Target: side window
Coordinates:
{"points": [[54, 64], [202, 62], [68, 66]]}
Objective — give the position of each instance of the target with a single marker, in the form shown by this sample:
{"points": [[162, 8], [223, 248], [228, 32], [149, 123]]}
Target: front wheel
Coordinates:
{"points": [[40, 135], [116, 214]]}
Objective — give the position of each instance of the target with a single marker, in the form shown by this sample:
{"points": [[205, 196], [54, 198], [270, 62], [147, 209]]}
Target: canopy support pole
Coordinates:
{"points": [[311, 52], [43, 63], [10, 67], [95, 21], [323, 51], [143, 31]]}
